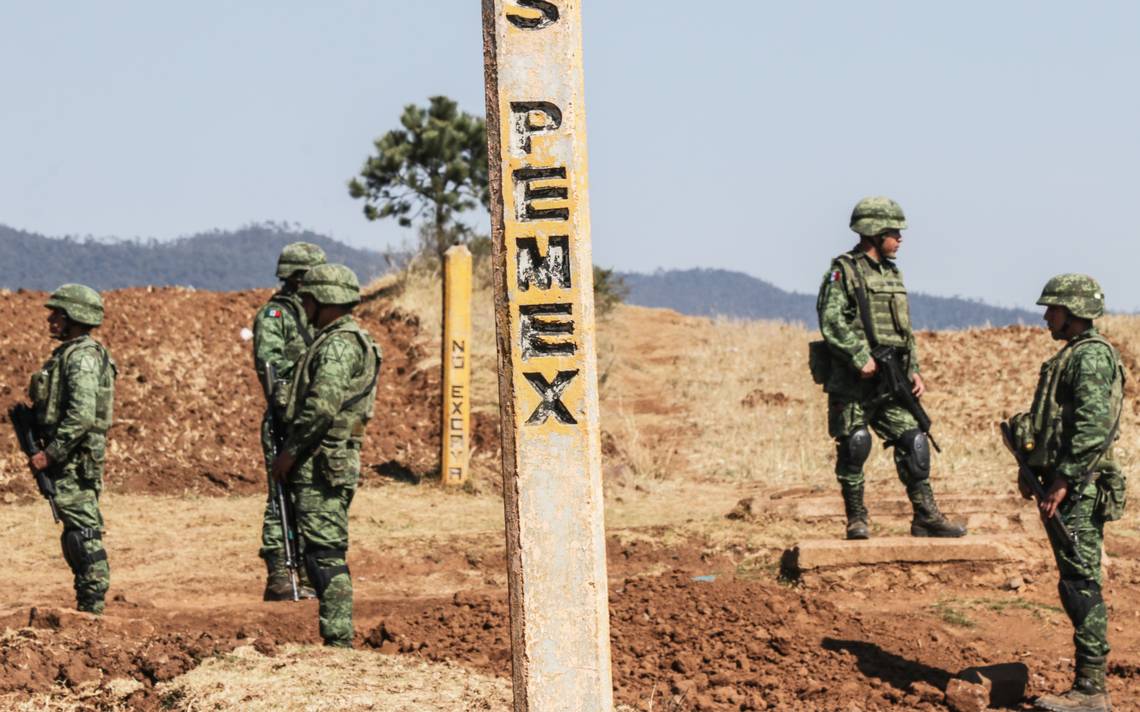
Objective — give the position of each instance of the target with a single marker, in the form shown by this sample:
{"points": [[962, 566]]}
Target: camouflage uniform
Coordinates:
{"points": [[329, 403], [1068, 433], [280, 336], [73, 396], [852, 402]]}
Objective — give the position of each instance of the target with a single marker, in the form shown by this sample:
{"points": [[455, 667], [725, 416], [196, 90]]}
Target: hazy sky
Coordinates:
{"points": [[734, 134]]}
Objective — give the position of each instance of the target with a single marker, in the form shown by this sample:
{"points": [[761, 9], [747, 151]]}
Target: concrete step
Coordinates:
{"points": [[837, 553]]}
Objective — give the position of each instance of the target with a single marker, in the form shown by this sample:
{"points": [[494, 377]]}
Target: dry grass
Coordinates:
{"points": [[307, 679], [743, 408], [730, 402]]}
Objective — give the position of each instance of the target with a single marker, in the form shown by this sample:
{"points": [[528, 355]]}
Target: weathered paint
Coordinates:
{"points": [[456, 423], [536, 134]]}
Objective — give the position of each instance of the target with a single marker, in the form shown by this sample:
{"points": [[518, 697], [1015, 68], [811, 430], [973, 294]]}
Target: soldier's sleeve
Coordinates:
{"points": [[269, 341], [912, 352], [339, 357], [1091, 372], [81, 373], [839, 320]]}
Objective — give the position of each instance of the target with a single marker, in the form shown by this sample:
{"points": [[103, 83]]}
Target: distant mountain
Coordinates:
{"points": [[217, 260], [712, 292]]}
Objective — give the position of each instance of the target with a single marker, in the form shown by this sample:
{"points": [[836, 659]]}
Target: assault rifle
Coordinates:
{"points": [[1029, 480], [892, 376], [893, 381], [23, 421], [282, 504]]}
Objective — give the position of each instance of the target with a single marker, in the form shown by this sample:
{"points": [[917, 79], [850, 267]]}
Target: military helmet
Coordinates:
{"points": [[331, 284], [298, 257], [1079, 293], [82, 304], [873, 215]]}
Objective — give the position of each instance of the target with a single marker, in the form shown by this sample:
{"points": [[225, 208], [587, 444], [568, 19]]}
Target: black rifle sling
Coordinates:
{"points": [[302, 328], [861, 300]]}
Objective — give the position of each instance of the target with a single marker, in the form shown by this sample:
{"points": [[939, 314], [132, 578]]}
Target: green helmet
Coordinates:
{"points": [[872, 216], [331, 284], [298, 257], [82, 305], [1079, 293]]}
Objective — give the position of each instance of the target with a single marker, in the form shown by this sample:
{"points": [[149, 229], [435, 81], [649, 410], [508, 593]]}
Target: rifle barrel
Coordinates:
{"points": [[1054, 523]]}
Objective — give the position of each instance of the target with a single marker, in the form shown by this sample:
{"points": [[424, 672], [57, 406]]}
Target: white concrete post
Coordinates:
{"points": [[544, 310]]}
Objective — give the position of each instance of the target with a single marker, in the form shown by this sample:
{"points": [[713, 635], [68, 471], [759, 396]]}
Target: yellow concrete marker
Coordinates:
{"points": [[456, 423], [548, 392]]}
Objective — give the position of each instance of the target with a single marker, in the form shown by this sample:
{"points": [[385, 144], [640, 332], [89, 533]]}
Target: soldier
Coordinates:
{"points": [[1068, 438], [329, 403], [73, 396], [280, 337], [848, 370]]}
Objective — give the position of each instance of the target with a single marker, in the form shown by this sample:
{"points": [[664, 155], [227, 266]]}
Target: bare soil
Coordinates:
{"points": [[188, 404], [700, 618]]}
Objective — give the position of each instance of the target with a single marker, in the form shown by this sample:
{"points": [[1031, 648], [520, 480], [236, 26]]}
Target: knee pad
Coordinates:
{"points": [[322, 576], [912, 454], [1079, 597], [854, 449], [74, 552]]}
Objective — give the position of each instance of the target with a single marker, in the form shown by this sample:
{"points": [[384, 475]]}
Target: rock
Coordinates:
{"points": [[266, 646], [686, 664], [76, 673], [927, 692], [963, 696], [1014, 583], [46, 619], [1005, 683], [743, 510]]}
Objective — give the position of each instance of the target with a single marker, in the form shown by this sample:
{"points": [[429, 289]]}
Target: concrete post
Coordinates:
{"points": [[548, 392], [456, 423]]}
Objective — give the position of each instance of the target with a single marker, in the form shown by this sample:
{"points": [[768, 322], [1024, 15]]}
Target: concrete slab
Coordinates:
{"points": [[835, 553]]}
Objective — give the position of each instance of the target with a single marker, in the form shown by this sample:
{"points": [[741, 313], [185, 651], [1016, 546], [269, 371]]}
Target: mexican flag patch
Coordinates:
{"points": [[273, 313], [836, 275]]}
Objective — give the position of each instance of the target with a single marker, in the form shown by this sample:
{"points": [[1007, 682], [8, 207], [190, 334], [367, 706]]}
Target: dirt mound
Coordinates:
{"points": [[57, 648], [683, 643], [188, 405]]}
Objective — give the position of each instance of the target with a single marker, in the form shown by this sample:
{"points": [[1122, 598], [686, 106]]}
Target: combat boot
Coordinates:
{"points": [[856, 513], [928, 520], [279, 587], [1088, 694], [92, 605]]}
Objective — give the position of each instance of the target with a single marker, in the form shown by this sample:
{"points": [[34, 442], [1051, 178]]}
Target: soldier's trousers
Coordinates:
{"points": [[77, 498], [888, 420], [1080, 584], [322, 520]]}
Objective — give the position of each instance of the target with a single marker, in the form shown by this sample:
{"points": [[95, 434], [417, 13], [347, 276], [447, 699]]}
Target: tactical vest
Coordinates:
{"points": [[1046, 416], [886, 294], [48, 387], [356, 411]]}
